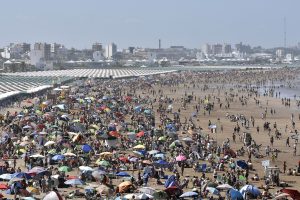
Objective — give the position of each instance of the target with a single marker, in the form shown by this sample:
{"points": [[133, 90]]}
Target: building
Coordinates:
{"points": [[110, 50], [97, 47], [227, 49], [206, 49], [55, 47], [131, 49], [97, 56], [280, 54], [217, 49], [241, 48], [45, 50]]}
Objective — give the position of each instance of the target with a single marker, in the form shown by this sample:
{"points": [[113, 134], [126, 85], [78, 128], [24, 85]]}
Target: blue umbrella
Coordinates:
{"points": [[160, 155], [161, 163], [254, 191], [234, 194], [86, 148], [58, 157], [138, 109], [213, 190], [74, 182], [242, 164], [21, 175], [123, 174], [170, 180], [189, 194]]}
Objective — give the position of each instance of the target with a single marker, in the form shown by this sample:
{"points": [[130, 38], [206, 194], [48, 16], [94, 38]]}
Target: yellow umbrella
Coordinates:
{"points": [[105, 154], [139, 146], [94, 126], [33, 190]]}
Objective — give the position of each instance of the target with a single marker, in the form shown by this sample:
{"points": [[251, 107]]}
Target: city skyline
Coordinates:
{"points": [[133, 23]]}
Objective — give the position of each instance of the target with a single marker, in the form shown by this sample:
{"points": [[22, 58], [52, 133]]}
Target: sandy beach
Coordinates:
{"points": [[234, 93]]}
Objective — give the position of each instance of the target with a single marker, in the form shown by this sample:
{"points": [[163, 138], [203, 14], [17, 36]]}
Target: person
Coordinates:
{"points": [[284, 167]]}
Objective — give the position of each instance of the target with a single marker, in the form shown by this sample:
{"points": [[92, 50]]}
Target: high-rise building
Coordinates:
{"points": [[206, 49], [227, 49], [44, 48], [217, 49], [110, 50], [97, 47], [241, 48], [55, 47]]}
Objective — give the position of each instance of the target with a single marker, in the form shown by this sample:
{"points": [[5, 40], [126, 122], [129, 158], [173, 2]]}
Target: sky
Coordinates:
{"points": [[140, 23]]}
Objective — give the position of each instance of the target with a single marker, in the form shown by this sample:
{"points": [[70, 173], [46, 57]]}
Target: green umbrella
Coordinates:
{"points": [[64, 169], [242, 178], [52, 151], [104, 163], [160, 195]]}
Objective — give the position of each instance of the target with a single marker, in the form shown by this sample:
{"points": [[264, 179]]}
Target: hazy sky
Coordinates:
{"points": [[79, 23]]}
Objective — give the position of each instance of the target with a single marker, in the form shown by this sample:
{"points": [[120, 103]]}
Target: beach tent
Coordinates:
{"points": [[234, 194]]}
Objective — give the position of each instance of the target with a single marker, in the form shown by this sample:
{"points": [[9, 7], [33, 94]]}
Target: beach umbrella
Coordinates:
{"points": [[242, 164], [49, 143], [98, 174], [211, 184], [86, 148], [27, 127], [123, 174], [160, 195], [64, 169], [180, 158], [68, 154], [74, 182], [161, 163], [58, 157], [15, 179], [187, 139], [53, 196], [124, 186], [138, 154], [224, 187], [295, 194], [140, 146], [3, 187], [106, 154], [152, 152], [162, 138], [85, 168], [25, 143], [37, 156], [213, 191], [173, 191], [33, 190], [6, 176], [160, 155], [235, 194], [189, 194], [133, 159], [103, 189], [104, 163], [124, 159], [21, 175], [282, 196], [145, 196], [140, 134], [148, 162], [36, 170], [131, 196], [147, 190], [254, 191]]}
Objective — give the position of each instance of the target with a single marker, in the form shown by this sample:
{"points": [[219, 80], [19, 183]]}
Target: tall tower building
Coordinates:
{"points": [[110, 50]]}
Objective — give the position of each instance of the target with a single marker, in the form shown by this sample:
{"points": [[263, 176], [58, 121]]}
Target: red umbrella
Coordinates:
{"points": [[3, 187], [173, 190], [295, 194], [140, 134], [114, 134], [124, 159]]}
